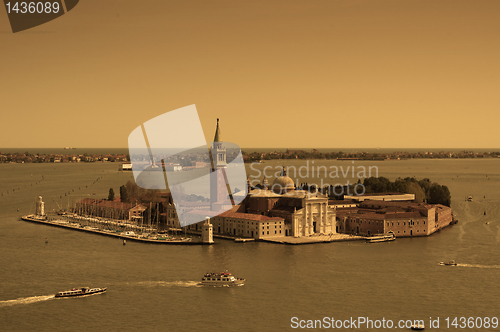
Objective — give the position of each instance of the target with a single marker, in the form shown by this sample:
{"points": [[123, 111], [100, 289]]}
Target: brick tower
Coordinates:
{"points": [[218, 189]]}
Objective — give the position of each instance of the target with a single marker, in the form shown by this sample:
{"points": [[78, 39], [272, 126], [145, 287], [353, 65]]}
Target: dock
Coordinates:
{"points": [[244, 239], [315, 238], [89, 229]]}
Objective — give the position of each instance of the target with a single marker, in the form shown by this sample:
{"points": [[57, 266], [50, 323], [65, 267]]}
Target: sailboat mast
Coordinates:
{"points": [[149, 218]]}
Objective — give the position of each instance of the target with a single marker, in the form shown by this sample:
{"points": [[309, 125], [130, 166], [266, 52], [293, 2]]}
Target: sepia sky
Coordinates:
{"points": [[297, 74]]}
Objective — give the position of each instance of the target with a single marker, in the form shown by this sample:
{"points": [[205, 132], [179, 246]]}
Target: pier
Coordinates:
{"points": [[315, 238], [124, 235]]}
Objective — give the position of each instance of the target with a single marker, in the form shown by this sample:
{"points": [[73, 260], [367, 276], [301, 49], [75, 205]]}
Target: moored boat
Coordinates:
{"points": [[244, 240], [221, 279], [381, 238], [81, 292]]}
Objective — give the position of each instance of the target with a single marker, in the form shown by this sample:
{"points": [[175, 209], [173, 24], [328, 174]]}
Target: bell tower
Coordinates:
{"points": [[218, 188], [218, 150]]}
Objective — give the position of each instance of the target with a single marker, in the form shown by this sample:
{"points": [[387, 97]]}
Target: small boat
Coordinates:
{"points": [[417, 327], [381, 238], [221, 279], [244, 240], [451, 263], [81, 292]]}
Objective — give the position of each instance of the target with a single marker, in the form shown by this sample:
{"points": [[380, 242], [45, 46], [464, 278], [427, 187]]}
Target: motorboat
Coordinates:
{"points": [[452, 263], [418, 327], [81, 292], [381, 238], [221, 279]]}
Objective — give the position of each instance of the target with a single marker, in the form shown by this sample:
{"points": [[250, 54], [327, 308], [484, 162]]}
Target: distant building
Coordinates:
{"points": [[136, 213], [125, 167], [404, 219], [173, 167]]}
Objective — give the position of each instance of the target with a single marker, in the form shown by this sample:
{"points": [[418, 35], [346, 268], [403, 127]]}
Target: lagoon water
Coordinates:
{"points": [[154, 287]]}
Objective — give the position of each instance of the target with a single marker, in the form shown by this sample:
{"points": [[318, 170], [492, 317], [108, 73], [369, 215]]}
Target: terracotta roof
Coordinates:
{"points": [[403, 215], [339, 202], [400, 204], [262, 193], [347, 210], [370, 214], [382, 194], [139, 207], [249, 216], [285, 208]]}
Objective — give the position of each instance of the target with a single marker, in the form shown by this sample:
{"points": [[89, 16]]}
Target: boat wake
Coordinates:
{"points": [[26, 300], [169, 283], [480, 266]]}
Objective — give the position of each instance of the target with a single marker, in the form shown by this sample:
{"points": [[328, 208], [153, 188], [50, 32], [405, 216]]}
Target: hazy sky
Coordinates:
{"points": [[315, 74]]}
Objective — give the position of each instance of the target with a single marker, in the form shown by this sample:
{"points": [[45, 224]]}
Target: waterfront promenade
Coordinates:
{"points": [[315, 238], [122, 234]]}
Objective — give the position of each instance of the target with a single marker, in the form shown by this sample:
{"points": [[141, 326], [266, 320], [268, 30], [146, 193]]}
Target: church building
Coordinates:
{"points": [[278, 210]]}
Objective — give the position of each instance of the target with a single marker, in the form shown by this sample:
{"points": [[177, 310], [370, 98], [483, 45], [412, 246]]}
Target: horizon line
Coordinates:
{"points": [[290, 148]]}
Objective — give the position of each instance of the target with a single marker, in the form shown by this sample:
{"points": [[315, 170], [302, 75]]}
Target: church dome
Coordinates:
{"points": [[284, 182]]}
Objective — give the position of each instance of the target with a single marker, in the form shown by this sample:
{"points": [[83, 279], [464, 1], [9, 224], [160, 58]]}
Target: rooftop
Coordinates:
{"points": [[248, 216]]}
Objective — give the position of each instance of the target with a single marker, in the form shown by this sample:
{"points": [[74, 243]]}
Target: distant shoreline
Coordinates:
{"points": [[63, 155]]}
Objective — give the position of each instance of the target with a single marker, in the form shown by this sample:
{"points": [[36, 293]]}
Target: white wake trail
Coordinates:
{"points": [[26, 300], [480, 266], [169, 283]]}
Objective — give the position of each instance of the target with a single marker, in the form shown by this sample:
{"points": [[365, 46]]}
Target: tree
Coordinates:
{"points": [[425, 184], [414, 188], [423, 190], [111, 196], [439, 195], [123, 194]]}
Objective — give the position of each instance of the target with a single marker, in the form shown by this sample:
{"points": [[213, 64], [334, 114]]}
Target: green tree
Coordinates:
{"points": [[425, 184], [439, 195], [414, 188], [123, 194], [111, 195]]}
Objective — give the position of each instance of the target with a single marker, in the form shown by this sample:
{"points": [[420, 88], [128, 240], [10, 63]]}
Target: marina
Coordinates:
{"points": [[125, 235]]}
